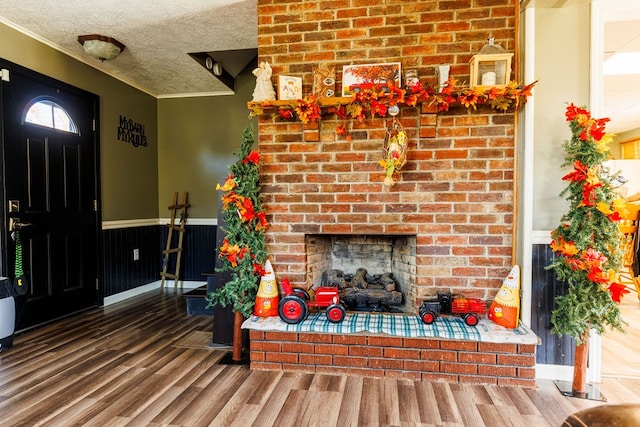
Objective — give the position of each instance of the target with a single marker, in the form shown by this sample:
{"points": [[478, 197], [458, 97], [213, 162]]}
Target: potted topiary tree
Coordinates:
{"points": [[243, 251], [586, 243]]}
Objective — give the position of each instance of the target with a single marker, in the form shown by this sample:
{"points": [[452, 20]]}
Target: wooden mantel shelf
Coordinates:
{"points": [[499, 98], [322, 102], [260, 108]]}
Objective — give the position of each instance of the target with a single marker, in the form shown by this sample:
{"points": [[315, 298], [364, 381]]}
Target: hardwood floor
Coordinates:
{"points": [[621, 351], [128, 365]]}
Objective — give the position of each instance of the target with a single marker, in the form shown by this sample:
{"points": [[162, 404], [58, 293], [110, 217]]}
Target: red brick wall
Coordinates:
{"points": [[456, 191], [394, 357]]}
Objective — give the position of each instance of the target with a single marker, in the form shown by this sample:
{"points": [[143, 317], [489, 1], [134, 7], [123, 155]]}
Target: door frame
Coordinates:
{"points": [[5, 268]]}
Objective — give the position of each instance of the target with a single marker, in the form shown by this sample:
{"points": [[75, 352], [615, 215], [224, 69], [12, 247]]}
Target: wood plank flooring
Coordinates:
{"points": [[124, 365], [621, 351]]}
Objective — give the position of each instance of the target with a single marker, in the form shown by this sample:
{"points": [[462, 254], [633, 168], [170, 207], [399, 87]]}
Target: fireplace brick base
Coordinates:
{"points": [[429, 359]]}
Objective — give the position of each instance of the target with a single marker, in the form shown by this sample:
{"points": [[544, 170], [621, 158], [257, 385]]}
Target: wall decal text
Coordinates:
{"points": [[132, 132]]}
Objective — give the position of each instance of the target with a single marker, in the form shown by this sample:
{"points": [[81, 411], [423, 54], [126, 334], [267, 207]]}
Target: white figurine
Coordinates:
{"points": [[264, 88]]}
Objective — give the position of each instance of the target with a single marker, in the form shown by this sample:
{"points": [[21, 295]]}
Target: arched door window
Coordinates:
{"points": [[47, 113]]}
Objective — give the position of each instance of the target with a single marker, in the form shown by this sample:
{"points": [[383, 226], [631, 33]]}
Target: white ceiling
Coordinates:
{"points": [[158, 34], [622, 93]]}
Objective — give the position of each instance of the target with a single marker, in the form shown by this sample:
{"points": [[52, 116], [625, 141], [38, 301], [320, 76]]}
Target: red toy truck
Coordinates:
{"points": [[294, 306], [467, 308]]}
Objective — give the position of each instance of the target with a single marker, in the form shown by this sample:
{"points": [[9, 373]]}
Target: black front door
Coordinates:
{"points": [[50, 187]]}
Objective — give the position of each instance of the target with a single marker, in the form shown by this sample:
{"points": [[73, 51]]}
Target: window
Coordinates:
{"points": [[630, 149], [50, 114]]}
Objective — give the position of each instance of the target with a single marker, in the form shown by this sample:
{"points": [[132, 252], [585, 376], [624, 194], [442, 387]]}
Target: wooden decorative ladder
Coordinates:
{"points": [[181, 210]]}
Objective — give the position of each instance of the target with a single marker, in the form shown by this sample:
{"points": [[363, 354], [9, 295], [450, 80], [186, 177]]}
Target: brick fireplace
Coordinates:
{"points": [[454, 194], [453, 198]]}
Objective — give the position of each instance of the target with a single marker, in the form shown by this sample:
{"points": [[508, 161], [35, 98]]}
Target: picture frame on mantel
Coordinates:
{"points": [[379, 74], [289, 87]]}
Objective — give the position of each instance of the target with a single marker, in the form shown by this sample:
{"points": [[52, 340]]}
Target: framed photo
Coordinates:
{"points": [[289, 87], [379, 74]]}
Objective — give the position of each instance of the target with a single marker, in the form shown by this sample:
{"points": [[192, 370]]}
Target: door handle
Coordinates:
{"points": [[15, 224]]}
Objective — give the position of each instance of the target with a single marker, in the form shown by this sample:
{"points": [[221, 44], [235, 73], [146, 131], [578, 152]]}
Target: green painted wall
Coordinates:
{"points": [[197, 140], [129, 175], [562, 67]]}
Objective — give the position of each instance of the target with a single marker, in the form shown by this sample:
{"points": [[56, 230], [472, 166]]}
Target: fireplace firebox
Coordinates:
{"points": [[373, 272]]}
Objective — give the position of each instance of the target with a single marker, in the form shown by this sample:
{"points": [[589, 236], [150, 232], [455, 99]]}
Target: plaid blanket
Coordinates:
{"points": [[394, 325]]}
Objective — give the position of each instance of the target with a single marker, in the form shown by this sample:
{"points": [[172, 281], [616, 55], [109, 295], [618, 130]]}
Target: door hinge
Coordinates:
{"points": [[4, 74], [95, 205], [97, 287], [93, 124]]}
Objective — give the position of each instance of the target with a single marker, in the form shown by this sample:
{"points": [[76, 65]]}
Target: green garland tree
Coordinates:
{"points": [[243, 251], [586, 243]]}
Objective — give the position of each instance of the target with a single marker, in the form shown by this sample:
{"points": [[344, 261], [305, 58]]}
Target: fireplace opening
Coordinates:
{"points": [[372, 272]]}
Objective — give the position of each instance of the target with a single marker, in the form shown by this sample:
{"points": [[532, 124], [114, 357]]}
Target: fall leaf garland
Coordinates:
{"points": [[371, 100]]}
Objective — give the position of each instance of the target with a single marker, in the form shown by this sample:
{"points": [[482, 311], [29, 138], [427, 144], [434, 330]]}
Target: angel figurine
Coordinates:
{"points": [[264, 88]]}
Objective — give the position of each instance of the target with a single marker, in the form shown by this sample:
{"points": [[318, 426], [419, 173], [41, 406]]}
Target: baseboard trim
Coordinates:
{"points": [[541, 237], [558, 372], [121, 296]]}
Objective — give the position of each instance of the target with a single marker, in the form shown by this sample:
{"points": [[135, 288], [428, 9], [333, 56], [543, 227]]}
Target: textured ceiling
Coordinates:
{"points": [[159, 35]]}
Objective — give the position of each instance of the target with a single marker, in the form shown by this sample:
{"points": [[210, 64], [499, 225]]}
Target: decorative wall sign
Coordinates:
{"points": [[132, 132], [378, 74], [324, 81]]}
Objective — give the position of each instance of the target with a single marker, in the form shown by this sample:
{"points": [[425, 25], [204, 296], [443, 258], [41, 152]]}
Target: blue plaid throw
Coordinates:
{"points": [[395, 325]]}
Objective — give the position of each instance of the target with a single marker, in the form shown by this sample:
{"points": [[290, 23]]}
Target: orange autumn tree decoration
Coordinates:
{"points": [[586, 243], [243, 250]]}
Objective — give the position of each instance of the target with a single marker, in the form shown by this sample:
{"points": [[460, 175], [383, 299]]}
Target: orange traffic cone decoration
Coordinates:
{"points": [[267, 297], [505, 309]]}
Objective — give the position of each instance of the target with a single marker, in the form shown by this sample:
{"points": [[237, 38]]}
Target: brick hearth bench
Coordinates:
{"points": [[504, 358]]}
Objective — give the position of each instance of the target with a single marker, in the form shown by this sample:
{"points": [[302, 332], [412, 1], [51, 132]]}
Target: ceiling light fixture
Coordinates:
{"points": [[101, 47], [213, 66]]}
